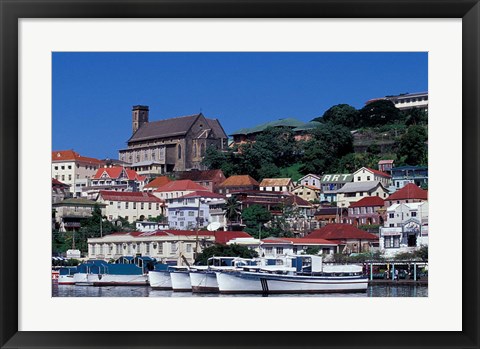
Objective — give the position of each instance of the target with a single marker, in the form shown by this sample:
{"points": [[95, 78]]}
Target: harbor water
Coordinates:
{"points": [[381, 290]]}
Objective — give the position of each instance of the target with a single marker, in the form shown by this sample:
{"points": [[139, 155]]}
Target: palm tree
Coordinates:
{"points": [[232, 209]]}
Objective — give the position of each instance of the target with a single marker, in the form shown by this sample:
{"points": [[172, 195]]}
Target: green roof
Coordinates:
{"points": [[307, 126], [289, 122]]}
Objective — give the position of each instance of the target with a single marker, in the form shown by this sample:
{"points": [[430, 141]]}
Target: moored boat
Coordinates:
{"points": [[159, 278], [65, 276], [180, 278], [305, 274], [203, 278]]}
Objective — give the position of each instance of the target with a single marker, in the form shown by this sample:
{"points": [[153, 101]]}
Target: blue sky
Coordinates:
{"points": [[93, 93]]}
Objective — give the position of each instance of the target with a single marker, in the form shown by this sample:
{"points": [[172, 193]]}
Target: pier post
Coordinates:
{"points": [[371, 271], [415, 271]]}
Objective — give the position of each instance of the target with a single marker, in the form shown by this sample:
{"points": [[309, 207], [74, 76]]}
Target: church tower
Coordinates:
{"points": [[139, 116]]}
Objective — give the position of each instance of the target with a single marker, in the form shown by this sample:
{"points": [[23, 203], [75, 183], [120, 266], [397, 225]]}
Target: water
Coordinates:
{"points": [[146, 291]]}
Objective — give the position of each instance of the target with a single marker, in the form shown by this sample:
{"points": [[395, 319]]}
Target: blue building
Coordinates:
{"points": [[403, 175]]}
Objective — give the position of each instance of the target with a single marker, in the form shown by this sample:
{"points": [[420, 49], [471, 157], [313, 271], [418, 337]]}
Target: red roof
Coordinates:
{"points": [[57, 182], [203, 194], [369, 201], [129, 196], [158, 182], [181, 185], [339, 231], [70, 155], [299, 241], [378, 173], [116, 171], [410, 191]]}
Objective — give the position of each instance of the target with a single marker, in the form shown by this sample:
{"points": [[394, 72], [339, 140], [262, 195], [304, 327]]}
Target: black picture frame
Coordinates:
{"points": [[12, 10]]}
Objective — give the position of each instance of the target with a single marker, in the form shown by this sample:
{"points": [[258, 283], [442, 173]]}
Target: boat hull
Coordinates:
{"points": [[181, 281], [204, 282], [245, 282], [66, 280], [117, 280], [160, 280]]}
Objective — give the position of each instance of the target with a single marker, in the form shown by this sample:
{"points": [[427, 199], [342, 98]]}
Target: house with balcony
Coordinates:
{"points": [[114, 178], [70, 213], [385, 165], [60, 191], [405, 228], [403, 175], [326, 215], [355, 191], [331, 183], [131, 206], [367, 211], [408, 194], [192, 210]]}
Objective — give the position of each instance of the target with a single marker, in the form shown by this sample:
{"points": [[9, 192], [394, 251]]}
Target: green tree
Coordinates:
{"points": [[254, 217], [313, 250], [219, 250], [413, 146], [232, 209], [416, 116], [378, 113], [328, 144], [341, 114]]}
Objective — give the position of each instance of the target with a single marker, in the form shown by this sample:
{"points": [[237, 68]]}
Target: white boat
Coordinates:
{"points": [[159, 277], [305, 274], [180, 278], [66, 276], [204, 279]]}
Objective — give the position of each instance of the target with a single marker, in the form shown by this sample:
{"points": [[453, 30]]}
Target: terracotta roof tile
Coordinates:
{"points": [[158, 182], [196, 175], [275, 182], [298, 241], [379, 173], [129, 196], [368, 202], [70, 155], [181, 185], [339, 231], [410, 191], [238, 181]]}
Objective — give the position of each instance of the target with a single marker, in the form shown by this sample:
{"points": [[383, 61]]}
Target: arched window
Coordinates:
{"points": [[202, 149], [179, 151], [194, 150]]}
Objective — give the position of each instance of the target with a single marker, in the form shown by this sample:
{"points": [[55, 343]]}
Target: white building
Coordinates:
{"points": [[176, 189], [192, 211], [116, 178], [164, 245], [405, 101], [131, 206], [71, 168], [406, 227], [365, 174], [355, 191], [310, 179]]}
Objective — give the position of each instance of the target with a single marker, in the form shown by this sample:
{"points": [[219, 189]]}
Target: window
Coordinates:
{"points": [[174, 247], [368, 178], [69, 177], [179, 151], [160, 248], [268, 250], [158, 206], [191, 213], [69, 167], [126, 205], [181, 213], [141, 206], [149, 205], [63, 167], [295, 250], [391, 225], [279, 250], [414, 214], [188, 248], [56, 167], [63, 177], [118, 204], [361, 193], [134, 205], [182, 223], [147, 248], [111, 203], [391, 215], [201, 213], [194, 150], [359, 178]]}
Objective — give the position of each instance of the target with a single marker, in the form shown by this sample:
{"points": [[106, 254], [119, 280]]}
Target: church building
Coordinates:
{"points": [[170, 145]]}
